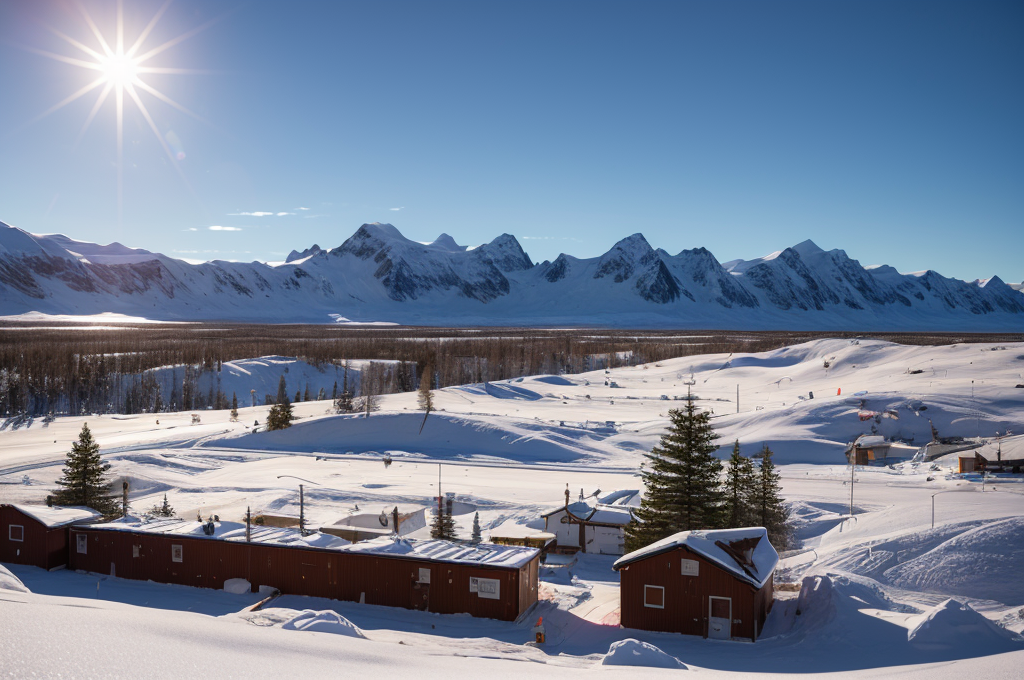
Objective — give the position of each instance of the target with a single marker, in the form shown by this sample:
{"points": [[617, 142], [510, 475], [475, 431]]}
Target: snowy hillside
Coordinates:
{"points": [[378, 275], [925, 575]]}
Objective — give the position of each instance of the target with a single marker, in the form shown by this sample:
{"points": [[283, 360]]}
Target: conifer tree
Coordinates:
{"points": [[770, 511], [234, 408], [740, 486], [443, 526], [305, 395], [280, 415], [164, 509], [426, 397], [334, 391], [85, 482], [477, 533], [683, 486]]}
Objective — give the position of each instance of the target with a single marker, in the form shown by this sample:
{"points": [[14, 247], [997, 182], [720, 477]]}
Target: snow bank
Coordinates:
{"points": [[237, 586], [9, 581], [323, 622], [982, 563], [954, 624], [630, 652]]}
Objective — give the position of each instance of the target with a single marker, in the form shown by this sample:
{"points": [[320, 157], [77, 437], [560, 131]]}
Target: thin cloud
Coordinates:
{"points": [[302, 208], [190, 229], [397, 209], [250, 214], [282, 214], [217, 227]]}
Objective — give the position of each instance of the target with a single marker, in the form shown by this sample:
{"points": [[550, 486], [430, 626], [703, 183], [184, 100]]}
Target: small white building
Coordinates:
{"points": [[594, 525]]}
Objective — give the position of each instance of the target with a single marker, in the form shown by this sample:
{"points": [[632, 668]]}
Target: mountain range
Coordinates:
{"points": [[378, 275]]}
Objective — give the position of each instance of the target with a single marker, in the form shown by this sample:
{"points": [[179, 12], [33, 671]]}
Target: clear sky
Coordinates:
{"points": [[893, 130]]}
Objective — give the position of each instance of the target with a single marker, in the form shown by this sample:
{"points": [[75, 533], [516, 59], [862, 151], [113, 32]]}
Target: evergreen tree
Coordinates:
{"points": [[443, 526], [234, 408], [769, 508], [298, 396], [85, 482], [682, 481], [477, 534], [164, 509], [344, 403], [334, 391], [281, 415], [305, 395], [426, 397], [740, 487]]}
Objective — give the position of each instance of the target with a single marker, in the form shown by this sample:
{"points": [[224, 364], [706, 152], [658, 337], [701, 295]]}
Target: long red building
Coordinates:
{"points": [[445, 577]]}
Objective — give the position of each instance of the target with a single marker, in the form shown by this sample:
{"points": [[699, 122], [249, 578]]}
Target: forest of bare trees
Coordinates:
{"points": [[75, 369]]}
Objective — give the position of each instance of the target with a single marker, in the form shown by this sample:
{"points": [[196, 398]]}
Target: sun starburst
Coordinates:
{"points": [[121, 72]]}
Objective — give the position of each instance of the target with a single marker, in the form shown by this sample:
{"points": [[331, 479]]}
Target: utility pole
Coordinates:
{"points": [[248, 525], [853, 467], [124, 498], [302, 512], [440, 501]]}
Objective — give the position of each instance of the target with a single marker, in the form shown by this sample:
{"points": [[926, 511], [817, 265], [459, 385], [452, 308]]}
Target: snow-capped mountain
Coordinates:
{"points": [[379, 275]]}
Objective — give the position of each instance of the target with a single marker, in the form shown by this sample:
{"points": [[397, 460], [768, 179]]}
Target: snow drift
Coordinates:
{"points": [[630, 652]]}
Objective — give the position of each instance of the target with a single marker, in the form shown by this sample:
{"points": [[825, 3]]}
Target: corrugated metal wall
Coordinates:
{"points": [[686, 597], [373, 579]]}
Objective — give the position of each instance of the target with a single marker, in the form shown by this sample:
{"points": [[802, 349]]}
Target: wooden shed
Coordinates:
{"points": [[975, 463], [868, 449], [445, 577], [716, 584], [37, 534]]}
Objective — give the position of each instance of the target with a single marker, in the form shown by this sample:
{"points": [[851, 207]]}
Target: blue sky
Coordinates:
{"points": [[889, 129]]}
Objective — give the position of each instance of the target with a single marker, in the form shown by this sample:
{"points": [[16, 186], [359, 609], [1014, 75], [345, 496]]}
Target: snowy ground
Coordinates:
{"points": [[509, 449]]}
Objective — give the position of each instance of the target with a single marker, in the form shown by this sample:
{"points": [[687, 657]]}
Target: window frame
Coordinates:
{"points": [[82, 544], [647, 601], [177, 553], [10, 533]]}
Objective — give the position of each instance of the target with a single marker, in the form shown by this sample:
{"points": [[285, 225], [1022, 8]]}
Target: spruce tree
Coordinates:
{"points": [[443, 526], [740, 487], [477, 533], [769, 508], [305, 395], [164, 509], [334, 391], [234, 408], [280, 415], [85, 482], [683, 489], [426, 397]]}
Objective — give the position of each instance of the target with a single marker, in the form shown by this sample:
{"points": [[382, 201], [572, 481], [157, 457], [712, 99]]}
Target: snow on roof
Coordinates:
{"points": [[57, 516], [627, 497], [599, 513], [481, 554], [761, 561], [228, 531], [871, 440]]}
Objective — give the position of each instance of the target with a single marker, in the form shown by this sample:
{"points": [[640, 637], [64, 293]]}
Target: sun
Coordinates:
{"points": [[121, 71]]}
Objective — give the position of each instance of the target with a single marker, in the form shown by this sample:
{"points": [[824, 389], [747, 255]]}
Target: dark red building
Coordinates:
{"points": [[37, 534], [483, 580], [716, 584]]}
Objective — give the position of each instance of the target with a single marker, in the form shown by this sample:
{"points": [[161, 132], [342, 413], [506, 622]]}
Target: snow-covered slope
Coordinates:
{"points": [[379, 275]]}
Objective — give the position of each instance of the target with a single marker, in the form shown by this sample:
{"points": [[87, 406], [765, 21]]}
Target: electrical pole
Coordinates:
{"points": [[302, 512], [853, 467]]}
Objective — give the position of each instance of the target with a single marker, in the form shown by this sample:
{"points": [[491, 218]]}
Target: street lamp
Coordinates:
{"points": [[302, 504]]}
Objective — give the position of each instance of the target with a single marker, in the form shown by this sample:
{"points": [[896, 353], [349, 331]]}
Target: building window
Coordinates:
{"points": [[16, 532], [82, 543], [175, 553], [135, 550], [654, 596]]}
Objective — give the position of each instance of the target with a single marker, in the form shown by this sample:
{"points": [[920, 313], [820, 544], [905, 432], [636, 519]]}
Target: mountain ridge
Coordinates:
{"points": [[377, 274]]}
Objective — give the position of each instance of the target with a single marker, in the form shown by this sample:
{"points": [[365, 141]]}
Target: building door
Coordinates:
{"points": [[719, 618]]}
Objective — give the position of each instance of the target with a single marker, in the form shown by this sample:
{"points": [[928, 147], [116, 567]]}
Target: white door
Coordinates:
{"points": [[719, 618]]}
